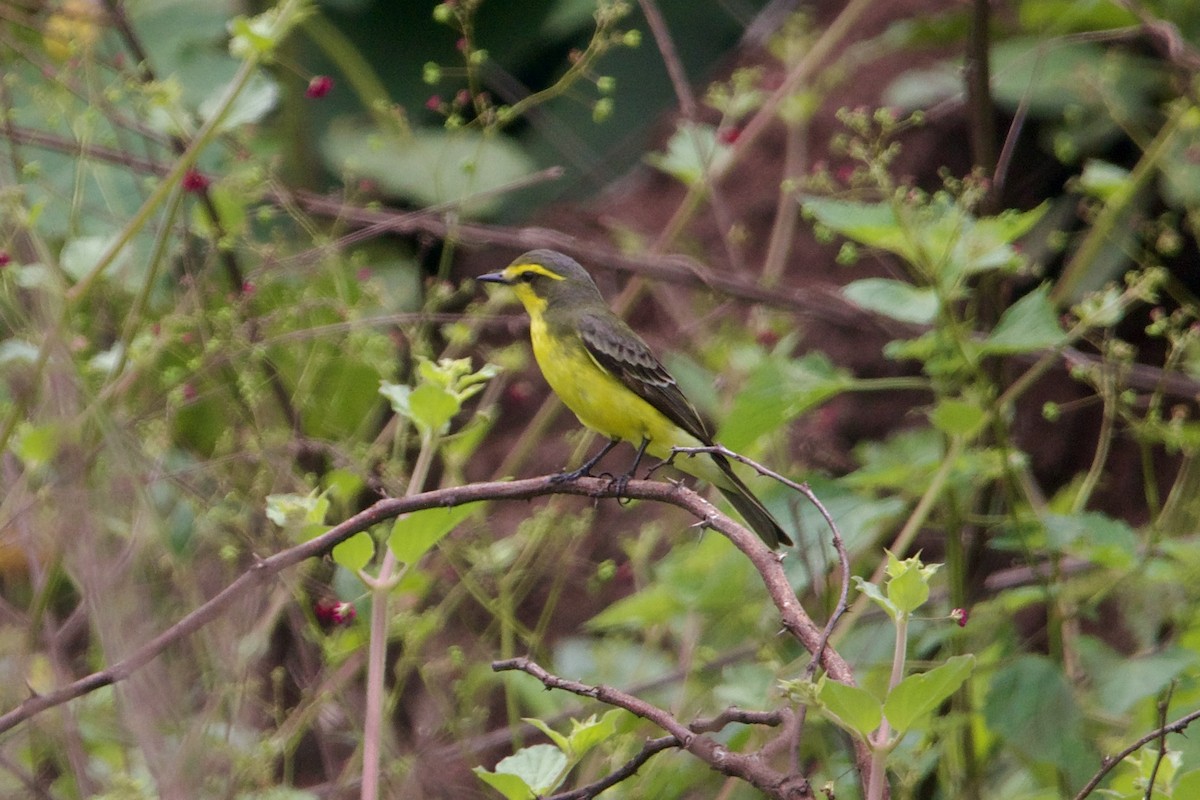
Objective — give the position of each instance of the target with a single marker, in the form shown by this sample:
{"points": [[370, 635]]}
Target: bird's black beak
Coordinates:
{"points": [[493, 277]]}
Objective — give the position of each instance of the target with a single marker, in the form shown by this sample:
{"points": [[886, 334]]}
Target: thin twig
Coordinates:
{"points": [[1163, 705], [1160, 733], [795, 619], [838, 543], [627, 770], [746, 767]]}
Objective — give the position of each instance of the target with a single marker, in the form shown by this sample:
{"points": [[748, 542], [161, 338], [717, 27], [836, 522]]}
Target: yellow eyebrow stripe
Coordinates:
{"points": [[538, 269]]}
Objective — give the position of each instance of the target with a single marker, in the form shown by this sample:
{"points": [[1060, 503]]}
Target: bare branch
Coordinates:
{"points": [[749, 768], [795, 620], [624, 772], [1160, 733]]}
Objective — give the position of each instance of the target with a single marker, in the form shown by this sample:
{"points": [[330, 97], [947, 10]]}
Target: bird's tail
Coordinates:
{"points": [[756, 515], [717, 470]]}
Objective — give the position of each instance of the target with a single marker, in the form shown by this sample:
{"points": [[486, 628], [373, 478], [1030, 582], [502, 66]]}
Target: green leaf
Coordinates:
{"points": [[655, 604], [429, 167], [873, 592], [1103, 179], [511, 786], [415, 534], [540, 766], [957, 417], [433, 407], [81, 254], [894, 299], [592, 731], [1120, 681], [857, 709], [559, 740], [301, 515], [692, 152], [355, 552], [36, 445], [918, 695], [1031, 705], [872, 224], [1093, 536], [255, 101], [1029, 324], [908, 589], [779, 389]]}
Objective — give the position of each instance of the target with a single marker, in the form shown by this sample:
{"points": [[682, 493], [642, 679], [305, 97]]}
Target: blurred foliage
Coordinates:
{"points": [[197, 372]]}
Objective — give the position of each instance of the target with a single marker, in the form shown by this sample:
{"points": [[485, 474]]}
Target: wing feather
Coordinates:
{"points": [[616, 348]]}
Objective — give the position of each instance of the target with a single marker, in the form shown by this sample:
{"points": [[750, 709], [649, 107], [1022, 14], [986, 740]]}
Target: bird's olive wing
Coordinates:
{"points": [[616, 348]]}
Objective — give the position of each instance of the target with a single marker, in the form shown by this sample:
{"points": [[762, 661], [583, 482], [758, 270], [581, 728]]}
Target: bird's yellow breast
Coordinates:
{"points": [[600, 400]]}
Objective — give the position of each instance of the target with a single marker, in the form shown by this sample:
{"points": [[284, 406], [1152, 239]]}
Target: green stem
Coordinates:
{"points": [[381, 593], [881, 746], [909, 532], [1119, 205]]}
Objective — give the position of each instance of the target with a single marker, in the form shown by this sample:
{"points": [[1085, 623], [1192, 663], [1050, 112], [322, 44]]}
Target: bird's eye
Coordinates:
{"points": [[527, 277]]}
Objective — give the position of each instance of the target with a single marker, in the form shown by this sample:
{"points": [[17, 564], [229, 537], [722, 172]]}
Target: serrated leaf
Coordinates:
{"points": [[873, 592], [356, 552], [592, 731], [908, 591], [918, 695], [894, 299], [1031, 323], [415, 534], [857, 709]]}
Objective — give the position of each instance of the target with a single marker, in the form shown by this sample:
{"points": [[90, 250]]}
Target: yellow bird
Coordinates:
{"points": [[609, 377]]}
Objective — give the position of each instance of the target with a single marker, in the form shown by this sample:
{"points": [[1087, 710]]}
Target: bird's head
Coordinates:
{"points": [[545, 278]]}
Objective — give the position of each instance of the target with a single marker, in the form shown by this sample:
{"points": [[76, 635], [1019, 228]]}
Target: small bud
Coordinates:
{"points": [[334, 612], [434, 102], [960, 615], [195, 181], [602, 110], [632, 38], [431, 73], [605, 84], [318, 87]]}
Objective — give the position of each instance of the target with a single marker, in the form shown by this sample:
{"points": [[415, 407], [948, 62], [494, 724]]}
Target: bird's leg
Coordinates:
{"points": [[620, 481], [586, 468]]}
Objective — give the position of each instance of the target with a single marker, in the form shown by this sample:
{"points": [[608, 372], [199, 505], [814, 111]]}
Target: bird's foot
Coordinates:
{"points": [[573, 475]]}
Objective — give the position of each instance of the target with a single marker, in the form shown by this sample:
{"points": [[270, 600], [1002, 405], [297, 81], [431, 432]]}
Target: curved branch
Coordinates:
{"points": [[749, 768], [794, 618]]}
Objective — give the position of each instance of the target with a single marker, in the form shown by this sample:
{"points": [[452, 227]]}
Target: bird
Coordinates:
{"points": [[612, 381]]}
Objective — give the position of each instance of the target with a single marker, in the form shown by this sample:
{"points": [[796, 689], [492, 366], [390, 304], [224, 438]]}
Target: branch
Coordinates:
{"points": [[749, 768], [624, 772], [796, 620], [1160, 733]]}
